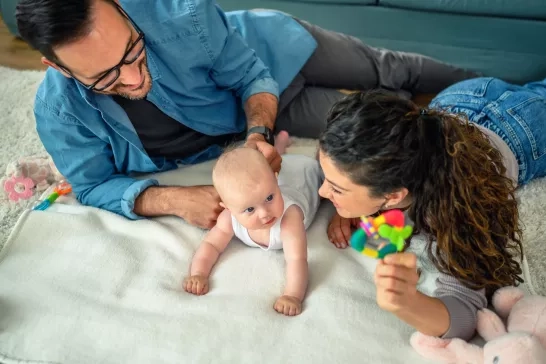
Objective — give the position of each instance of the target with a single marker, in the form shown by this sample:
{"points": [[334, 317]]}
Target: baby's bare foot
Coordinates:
{"points": [[197, 285], [282, 142], [288, 305]]}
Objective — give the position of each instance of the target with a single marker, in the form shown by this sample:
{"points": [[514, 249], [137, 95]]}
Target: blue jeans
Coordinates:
{"points": [[516, 113]]}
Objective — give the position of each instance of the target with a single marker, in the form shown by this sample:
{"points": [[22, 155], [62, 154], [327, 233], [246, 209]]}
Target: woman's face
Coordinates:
{"points": [[350, 199]]}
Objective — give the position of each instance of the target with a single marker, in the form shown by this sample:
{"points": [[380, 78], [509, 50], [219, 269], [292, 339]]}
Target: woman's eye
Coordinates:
{"points": [[250, 210], [334, 190], [269, 198]]}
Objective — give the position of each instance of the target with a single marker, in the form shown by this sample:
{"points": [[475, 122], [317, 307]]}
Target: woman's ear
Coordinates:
{"points": [[395, 198]]}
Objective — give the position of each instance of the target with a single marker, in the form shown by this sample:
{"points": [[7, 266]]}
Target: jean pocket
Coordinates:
{"points": [[530, 115], [476, 87]]}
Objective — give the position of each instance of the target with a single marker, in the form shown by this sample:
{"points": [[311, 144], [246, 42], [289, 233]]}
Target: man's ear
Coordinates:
{"points": [[48, 63]]}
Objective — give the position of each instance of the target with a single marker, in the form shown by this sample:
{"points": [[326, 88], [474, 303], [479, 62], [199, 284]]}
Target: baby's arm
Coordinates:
{"points": [[294, 240], [213, 244]]}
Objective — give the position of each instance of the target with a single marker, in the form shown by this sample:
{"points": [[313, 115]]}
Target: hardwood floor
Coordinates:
{"points": [[15, 53]]}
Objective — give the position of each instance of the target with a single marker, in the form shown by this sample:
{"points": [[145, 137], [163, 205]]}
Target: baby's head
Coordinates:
{"points": [[248, 188]]}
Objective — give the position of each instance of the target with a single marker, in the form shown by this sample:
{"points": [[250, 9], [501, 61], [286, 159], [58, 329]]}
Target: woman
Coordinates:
{"points": [[454, 169]]}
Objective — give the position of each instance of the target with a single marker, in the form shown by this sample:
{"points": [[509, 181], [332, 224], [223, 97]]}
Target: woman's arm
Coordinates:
{"points": [[462, 303], [426, 314], [452, 313]]}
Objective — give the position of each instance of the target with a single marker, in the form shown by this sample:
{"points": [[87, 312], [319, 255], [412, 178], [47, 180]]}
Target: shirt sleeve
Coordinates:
{"points": [[86, 162], [462, 304], [235, 66]]}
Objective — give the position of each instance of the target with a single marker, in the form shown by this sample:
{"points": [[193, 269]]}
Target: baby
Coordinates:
{"points": [[265, 212]]}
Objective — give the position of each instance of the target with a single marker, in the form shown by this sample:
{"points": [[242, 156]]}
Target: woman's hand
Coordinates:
{"points": [[396, 280], [340, 230]]}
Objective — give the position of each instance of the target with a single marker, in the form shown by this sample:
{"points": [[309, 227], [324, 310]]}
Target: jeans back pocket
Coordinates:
{"points": [[530, 115]]}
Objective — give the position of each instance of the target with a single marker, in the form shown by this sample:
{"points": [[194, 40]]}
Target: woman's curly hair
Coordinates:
{"points": [[461, 198]]}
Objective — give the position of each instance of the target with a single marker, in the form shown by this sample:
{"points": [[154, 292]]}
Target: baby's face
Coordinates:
{"points": [[258, 207]]}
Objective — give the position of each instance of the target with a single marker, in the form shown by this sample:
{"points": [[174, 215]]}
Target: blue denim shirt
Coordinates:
{"points": [[204, 64]]}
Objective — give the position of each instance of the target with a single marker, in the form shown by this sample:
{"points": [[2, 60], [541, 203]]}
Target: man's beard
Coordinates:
{"points": [[146, 84]]}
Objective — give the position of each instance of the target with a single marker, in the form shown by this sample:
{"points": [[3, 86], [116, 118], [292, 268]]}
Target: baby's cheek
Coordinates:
{"points": [[279, 207]]}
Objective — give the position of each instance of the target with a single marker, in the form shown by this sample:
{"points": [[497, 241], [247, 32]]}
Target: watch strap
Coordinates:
{"points": [[263, 130]]}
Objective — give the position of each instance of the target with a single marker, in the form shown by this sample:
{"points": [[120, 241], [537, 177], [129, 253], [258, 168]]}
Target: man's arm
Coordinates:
{"points": [[198, 205], [87, 163], [261, 110], [235, 66]]}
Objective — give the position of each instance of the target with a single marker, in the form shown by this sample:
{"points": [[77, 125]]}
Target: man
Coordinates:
{"points": [[142, 86]]}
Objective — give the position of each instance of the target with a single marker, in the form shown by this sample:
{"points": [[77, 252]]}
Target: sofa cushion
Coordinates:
{"points": [[7, 13], [529, 9], [352, 2], [495, 46]]}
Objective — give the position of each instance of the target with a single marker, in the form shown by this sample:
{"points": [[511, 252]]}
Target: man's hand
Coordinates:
{"points": [[197, 285], [198, 205], [340, 230], [396, 280], [201, 207], [273, 157], [288, 305]]}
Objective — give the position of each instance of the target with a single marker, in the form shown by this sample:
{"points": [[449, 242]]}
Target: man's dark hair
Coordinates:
{"points": [[47, 24]]}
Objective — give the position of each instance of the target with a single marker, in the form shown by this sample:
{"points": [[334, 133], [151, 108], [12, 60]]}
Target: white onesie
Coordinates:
{"points": [[299, 180]]}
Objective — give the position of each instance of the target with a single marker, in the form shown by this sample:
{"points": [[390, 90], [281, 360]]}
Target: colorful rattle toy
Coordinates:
{"points": [[382, 235], [62, 188]]}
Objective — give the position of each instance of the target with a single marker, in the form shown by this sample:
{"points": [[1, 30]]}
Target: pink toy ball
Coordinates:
{"points": [[19, 188]]}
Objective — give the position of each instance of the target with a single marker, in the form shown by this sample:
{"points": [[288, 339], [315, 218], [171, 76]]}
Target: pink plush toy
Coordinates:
{"points": [[521, 341], [29, 176]]}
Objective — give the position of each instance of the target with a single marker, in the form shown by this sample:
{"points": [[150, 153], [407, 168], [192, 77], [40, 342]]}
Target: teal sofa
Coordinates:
{"points": [[500, 38], [7, 12]]}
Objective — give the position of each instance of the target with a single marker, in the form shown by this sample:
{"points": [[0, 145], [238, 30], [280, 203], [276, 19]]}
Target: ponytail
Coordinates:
{"points": [[465, 206]]}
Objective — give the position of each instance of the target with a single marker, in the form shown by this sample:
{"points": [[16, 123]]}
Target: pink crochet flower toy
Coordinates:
{"points": [[521, 341], [19, 188], [28, 176]]}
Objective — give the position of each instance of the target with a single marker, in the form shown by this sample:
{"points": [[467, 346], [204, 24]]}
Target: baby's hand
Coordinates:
{"points": [[197, 285], [288, 305]]}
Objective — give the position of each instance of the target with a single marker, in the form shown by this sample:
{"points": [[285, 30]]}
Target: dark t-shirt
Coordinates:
{"points": [[163, 136]]}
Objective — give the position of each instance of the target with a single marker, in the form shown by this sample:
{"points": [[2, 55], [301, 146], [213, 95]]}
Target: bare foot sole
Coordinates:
{"points": [[282, 142]]}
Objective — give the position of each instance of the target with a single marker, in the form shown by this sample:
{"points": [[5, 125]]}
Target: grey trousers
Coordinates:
{"points": [[341, 61]]}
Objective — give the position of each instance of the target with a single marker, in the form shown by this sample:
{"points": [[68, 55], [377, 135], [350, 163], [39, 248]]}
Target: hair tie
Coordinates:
{"points": [[423, 112]]}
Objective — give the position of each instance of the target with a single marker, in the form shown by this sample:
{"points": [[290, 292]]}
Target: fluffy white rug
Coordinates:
{"points": [[19, 138]]}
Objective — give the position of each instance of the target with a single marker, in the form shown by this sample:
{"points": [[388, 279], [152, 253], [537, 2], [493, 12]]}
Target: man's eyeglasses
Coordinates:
{"points": [[112, 75]]}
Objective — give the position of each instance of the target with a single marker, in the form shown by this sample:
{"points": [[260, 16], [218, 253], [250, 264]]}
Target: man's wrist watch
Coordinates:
{"points": [[263, 130]]}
